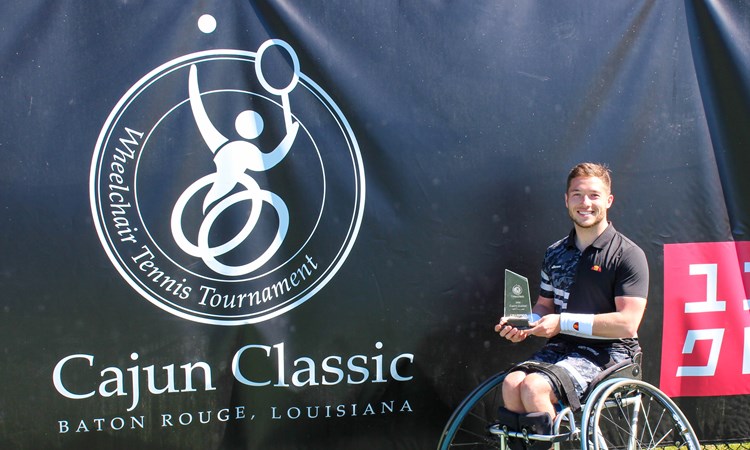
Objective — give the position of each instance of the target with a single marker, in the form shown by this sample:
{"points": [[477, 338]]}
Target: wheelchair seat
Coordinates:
{"points": [[624, 369]]}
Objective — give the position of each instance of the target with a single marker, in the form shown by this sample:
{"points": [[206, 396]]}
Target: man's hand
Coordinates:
{"points": [[510, 332], [546, 327]]}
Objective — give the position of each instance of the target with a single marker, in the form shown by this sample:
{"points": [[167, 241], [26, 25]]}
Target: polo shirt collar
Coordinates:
{"points": [[599, 242]]}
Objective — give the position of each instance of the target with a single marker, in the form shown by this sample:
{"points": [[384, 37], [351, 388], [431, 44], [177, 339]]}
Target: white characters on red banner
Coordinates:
{"points": [[706, 342]]}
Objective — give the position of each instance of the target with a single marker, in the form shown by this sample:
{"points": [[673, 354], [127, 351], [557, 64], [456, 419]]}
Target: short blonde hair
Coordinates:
{"points": [[588, 169]]}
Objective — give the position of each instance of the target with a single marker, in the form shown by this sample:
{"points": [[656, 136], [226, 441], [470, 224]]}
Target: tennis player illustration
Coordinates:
{"points": [[233, 160]]}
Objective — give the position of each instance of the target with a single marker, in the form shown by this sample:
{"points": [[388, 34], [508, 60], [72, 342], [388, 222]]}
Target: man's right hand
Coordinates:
{"points": [[509, 332]]}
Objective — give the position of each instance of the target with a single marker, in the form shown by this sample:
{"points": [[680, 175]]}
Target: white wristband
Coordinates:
{"points": [[580, 324]]}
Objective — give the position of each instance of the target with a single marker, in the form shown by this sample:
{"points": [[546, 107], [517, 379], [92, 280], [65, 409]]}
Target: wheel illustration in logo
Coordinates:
{"points": [[210, 185]]}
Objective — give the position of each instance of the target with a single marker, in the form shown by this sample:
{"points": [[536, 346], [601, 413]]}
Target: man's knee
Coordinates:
{"points": [[513, 380], [512, 386], [512, 391], [535, 385], [535, 388]]}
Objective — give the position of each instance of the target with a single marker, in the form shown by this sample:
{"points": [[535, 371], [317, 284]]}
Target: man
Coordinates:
{"points": [[592, 298]]}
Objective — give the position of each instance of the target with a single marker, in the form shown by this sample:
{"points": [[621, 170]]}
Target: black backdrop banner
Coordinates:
{"points": [[284, 224]]}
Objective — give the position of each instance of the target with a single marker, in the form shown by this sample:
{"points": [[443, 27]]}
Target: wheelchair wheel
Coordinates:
{"points": [[634, 415], [468, 426]]}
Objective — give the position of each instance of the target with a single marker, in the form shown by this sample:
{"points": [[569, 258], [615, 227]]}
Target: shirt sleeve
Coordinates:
{"points": [[633, 275], [545, 284]]}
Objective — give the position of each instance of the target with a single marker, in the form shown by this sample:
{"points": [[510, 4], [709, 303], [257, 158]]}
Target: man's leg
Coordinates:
{"points": [[512, 391], [537, 395], [524, 393], [529, 405]]}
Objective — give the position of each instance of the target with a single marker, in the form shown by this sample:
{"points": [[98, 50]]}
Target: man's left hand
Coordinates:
{"points": [[547, 326]]}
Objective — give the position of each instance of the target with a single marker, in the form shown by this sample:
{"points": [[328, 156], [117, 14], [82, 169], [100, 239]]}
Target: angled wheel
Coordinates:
{"points": [[634, 415], [468, 426]]}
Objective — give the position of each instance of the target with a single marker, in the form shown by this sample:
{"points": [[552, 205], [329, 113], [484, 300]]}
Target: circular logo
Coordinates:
{"points": [[226, 186], [517, 289]]}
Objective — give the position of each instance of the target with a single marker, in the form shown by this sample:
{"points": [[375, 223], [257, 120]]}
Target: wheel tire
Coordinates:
{"points": [[468, 426], [632, 414]]}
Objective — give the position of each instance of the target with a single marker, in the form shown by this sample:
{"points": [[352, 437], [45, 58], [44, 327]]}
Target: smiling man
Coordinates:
{"points": [[592, 299]]}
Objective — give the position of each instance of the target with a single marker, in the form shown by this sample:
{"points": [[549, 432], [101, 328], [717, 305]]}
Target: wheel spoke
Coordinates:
{"points": [[637, 416]]}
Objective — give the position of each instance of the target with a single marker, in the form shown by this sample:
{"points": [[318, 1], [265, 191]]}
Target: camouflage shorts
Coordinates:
{"points": [[581, 362]]}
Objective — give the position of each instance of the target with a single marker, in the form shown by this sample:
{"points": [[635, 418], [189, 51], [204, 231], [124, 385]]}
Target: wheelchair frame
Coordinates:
{"points": [[619, 412]]}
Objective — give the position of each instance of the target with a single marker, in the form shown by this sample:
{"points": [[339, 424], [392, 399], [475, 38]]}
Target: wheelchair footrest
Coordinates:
{"points": [[498, 430], [535, 423], [532, 431]]}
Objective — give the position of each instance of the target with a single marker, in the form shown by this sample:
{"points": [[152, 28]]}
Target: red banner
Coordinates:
{"points": [[706, 343]]}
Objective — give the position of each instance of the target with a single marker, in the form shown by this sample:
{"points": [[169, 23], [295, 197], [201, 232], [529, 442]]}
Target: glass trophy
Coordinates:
{"points": [[517, 306]]}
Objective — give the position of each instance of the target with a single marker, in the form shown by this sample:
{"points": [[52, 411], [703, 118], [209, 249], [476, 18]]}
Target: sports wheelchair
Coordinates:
{"points": [[619, 411]]}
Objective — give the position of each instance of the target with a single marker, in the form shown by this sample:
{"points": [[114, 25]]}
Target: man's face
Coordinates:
{"points": [[588, 200]]}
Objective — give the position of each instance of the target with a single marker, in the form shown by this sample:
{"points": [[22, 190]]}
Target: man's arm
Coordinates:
{"points": [[543, 306], [623, 323]]}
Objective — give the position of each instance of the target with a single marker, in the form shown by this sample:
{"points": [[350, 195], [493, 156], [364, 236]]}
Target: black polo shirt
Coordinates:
{"points": [[587, 282]]}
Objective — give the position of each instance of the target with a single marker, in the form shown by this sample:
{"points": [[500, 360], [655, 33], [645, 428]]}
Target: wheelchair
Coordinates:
{"points": [[619, 411]]}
